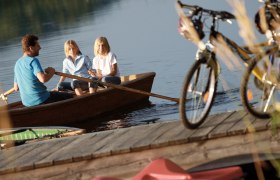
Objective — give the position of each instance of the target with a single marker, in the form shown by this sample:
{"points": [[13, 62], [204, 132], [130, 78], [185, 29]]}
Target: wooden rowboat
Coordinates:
{"points": [[80, 108]]}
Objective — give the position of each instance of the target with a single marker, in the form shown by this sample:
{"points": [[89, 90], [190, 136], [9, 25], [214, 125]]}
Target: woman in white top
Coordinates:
{"points": [[77, 64], [105, 62]]}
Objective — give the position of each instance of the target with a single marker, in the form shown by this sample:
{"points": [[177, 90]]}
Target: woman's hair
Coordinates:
{"points": [[104, 41], [27, 41], [73, 45]]}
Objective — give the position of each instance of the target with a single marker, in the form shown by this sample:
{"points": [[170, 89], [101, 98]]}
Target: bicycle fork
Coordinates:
{"points": [[193, 87]]}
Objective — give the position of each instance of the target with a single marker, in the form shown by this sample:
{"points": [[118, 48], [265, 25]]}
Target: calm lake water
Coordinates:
{"points": [[142, 33]]}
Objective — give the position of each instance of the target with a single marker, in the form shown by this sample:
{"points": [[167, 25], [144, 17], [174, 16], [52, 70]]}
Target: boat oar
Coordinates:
{"points": [[118, 87], [4, 95]]}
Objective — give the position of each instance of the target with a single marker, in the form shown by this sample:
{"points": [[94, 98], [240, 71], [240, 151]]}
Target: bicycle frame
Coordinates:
{"points": [[244, 53]]}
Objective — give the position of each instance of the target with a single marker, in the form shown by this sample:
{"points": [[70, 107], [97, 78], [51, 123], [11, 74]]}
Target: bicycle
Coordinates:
{"points": [[200, 83], [258, 93]]}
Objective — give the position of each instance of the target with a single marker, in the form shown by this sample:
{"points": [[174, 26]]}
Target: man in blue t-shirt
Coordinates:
{"points": [[30, 77]]}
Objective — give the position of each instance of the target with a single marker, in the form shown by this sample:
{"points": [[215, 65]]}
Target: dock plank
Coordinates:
{"points": [[19, 163], [171, 133], [127, 145], [182, 136], [146, 141], [152, 137], [127, 142], [170, 130], [96, 148], [76, 154], [10, 155], [38, 152], [210, 124], [221, 130], [241, 126], [216, 119], [69, 143]]}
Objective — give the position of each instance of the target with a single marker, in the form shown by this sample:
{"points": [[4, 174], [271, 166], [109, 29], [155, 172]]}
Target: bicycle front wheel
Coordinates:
{"points": [[197, 94], [258, 95]]}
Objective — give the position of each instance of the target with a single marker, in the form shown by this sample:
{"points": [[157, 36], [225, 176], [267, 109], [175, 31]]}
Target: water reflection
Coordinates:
{"points": [[116, 119], [44, 16], [140, 114]]}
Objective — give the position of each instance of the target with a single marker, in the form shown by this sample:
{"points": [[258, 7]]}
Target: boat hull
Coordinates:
{"points": [[81, 108]]}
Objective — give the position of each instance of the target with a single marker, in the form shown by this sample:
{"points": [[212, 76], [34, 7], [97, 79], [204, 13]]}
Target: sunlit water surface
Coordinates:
{"points": [[143, 34]]}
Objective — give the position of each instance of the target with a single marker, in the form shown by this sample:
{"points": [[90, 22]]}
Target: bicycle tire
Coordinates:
{"points": [[190, 97], [257, 95]]}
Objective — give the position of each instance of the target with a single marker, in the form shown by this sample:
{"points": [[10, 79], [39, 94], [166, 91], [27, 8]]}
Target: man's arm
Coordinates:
{"points": [[45, 77]]}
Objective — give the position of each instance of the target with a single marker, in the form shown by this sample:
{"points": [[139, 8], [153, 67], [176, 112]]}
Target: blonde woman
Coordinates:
{"points": [[77, 64], [105, 62]]}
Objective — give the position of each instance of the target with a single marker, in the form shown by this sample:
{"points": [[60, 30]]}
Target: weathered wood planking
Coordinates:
{"points": [[74, 144], [28, 156], [238, 128], [107, 145], [134, 136], [222, 129], [126, 165], [76, 150], [216, 119], [169, 130]]}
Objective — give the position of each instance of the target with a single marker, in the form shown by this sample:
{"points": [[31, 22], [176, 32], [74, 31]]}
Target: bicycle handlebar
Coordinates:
{"points": [[223, 15]]}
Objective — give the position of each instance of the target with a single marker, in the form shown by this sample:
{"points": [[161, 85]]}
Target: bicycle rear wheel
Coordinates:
{"points": [[197, 94], [260, 95]]}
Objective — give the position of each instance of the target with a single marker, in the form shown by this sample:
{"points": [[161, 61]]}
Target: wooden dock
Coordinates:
{"points": [[123, 152]]}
